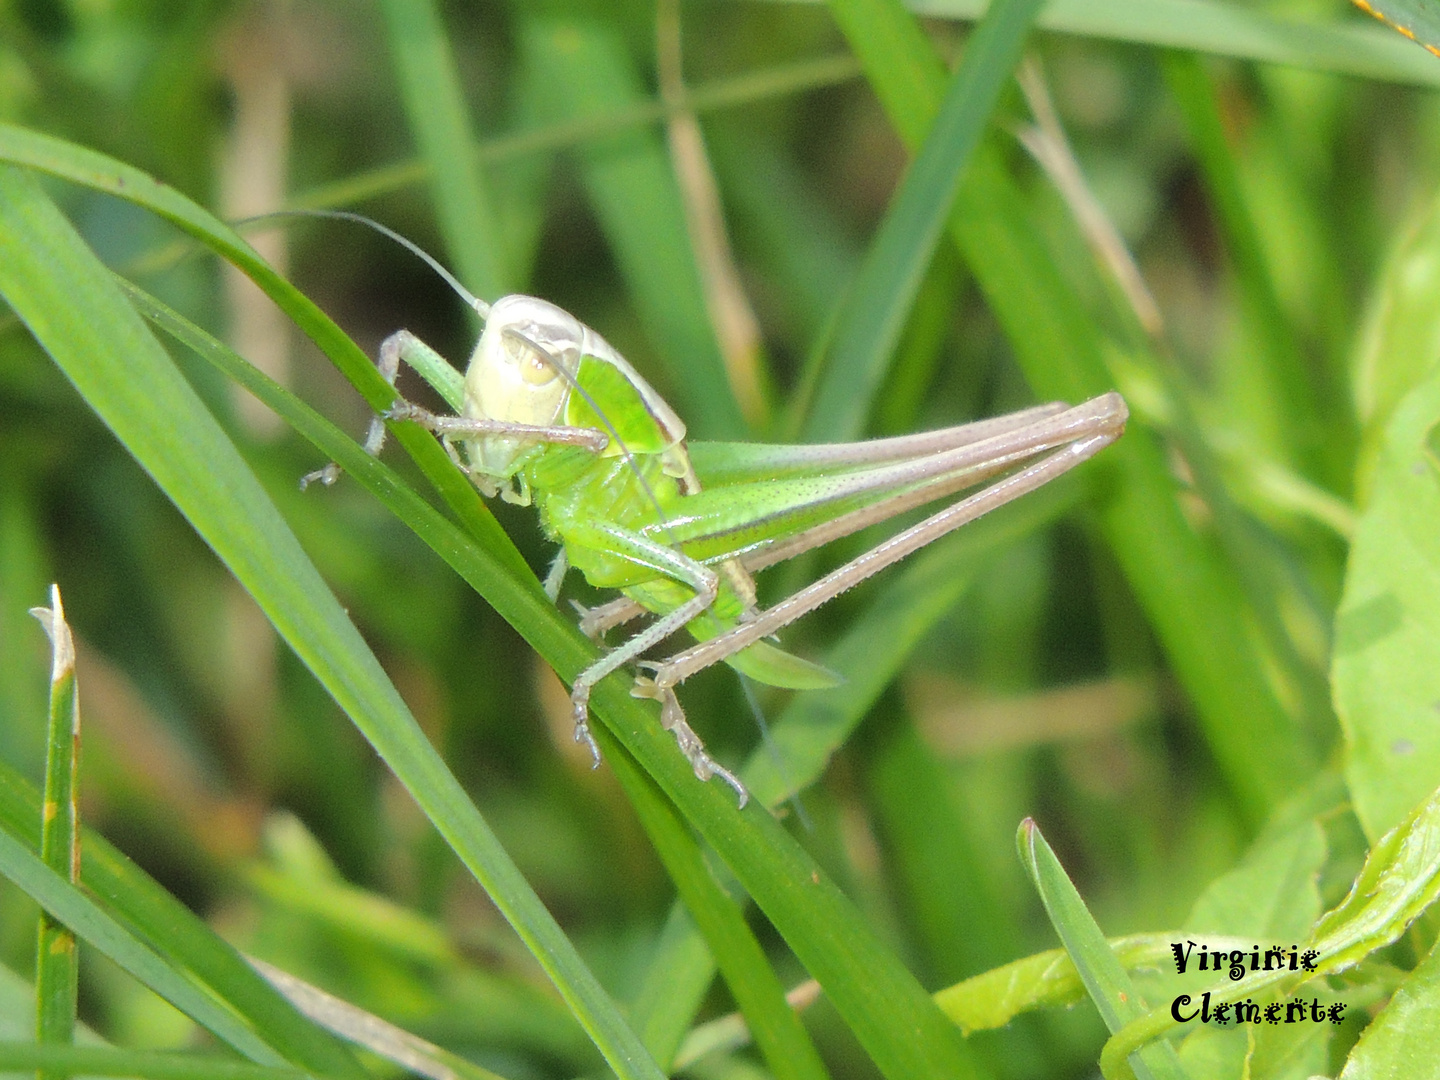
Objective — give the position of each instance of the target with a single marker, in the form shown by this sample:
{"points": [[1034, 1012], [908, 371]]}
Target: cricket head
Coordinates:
{"points": [[521, 372]]}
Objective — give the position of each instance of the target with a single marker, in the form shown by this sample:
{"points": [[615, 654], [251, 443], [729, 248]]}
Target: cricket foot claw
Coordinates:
{"points": [[327, 476], [580, 709], [672, 719]]}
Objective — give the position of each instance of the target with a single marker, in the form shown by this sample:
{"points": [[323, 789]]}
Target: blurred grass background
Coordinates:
{"points": [[1259, 200]]}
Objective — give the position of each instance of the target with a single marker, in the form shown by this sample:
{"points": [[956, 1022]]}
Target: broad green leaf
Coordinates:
{"points": [[1418, 20], [1272, 895], [1044, 980], [875, 309], [1386, 670], [435, 106], [1100, 969], [1400, 340], [1214, 1053], [1400, 879], [1403, 1042], [1289, 1052], [72, 306]]}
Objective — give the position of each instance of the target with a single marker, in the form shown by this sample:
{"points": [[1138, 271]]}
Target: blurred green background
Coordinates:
{"points": [[1259, 200]]}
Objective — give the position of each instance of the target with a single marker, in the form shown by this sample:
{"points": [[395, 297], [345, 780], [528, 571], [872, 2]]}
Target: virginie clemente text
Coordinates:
{"points": [[1239, 963]]}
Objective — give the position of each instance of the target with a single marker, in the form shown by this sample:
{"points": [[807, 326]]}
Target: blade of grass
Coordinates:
{"points": [[1226, 29], [577, 66], [1100, 969], [889, 1013], [57, 964], [1418, 20], [1191, 597], [88, 920], [149, 1064], [1290, 391], [1208, 26], [181, 937], [757, 989], [55, 284], [410, 1052], [862, 979], [676, 978], [762, 84], [83, 166], [435, 106], [816, 724], [880, 298]]}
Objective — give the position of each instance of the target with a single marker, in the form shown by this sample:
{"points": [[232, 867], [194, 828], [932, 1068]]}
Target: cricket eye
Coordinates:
{"points": [[533, 365], [536, 370]]}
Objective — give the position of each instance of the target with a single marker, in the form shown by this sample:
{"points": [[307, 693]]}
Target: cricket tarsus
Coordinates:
{"points": [[549, 411]]}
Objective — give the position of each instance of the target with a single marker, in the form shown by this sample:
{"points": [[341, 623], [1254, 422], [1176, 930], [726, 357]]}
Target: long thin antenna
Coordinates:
{"points": [[776, 758], [471, 300]]}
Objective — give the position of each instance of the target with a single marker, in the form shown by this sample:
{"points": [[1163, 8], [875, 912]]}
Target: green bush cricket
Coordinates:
{"points": [[549, 414]]}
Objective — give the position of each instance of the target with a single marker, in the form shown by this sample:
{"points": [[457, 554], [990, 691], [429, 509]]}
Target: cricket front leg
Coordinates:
{"points": [[401, 345]]}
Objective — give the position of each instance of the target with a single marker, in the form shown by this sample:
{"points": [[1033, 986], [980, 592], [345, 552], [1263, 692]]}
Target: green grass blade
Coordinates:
{"points": [[435, 106], [578, 66], [412, 1053], [890, 1014], [89, 921], [676, 978], [876, 995], [943, 885], [866, 983], [816, 724], [1289, 387], [773, 1023], [1099, 968], [1193, 599], [1418, 20], [149, 1064], [82, 166], [1225, 28], [57, 964], [761, 84], [181, 937], [879, 300], [73, 307]]}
